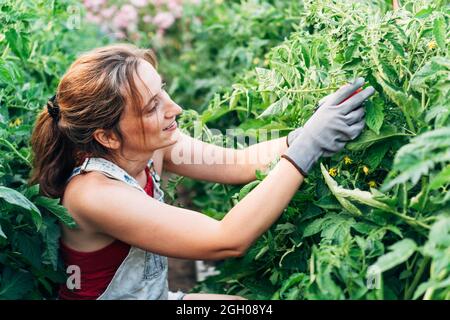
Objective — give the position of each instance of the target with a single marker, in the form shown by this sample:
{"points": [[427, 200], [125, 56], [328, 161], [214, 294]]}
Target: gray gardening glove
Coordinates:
{"points": [[330, 127], [294, 133]]}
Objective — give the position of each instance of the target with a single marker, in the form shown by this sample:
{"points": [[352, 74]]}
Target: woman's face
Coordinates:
{"points": [[158, 115]]}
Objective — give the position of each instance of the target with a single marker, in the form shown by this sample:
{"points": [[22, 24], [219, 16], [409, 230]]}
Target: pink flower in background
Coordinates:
{"points": [[108, 12], [120, 35], [93, 4], [139, 3], [121, 21], [92, 18], [164, 20], [126, 16], [147, 19], [159, 2], [175, 8]]}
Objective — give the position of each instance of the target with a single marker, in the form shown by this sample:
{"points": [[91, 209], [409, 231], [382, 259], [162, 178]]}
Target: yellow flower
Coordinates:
{"points": [[256, 61], [365, 170], [266, 62], [347, 160], [16, 123], [372, 184], [432, 45], [332, 172], [219, 2], [193, 67]]}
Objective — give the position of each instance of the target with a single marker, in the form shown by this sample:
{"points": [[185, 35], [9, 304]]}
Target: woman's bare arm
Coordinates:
{"points": [[132, 217], [196, 159]]}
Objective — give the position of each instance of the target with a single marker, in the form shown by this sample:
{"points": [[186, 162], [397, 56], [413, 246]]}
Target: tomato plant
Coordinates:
{"points": [[373, 221]]}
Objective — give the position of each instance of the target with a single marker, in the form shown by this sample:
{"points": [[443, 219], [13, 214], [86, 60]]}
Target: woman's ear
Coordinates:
{"points": [[107, 139]]}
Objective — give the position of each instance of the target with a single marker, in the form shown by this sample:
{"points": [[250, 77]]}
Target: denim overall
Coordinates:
{"points": [[142, 275]]}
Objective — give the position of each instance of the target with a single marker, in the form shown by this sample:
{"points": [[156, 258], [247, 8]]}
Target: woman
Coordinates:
{"points": [[104, 139]]}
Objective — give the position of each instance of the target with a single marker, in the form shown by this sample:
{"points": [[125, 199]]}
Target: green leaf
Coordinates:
{"points": [[424, 13], [16, 198], [363, 197], [51, 235], [374, 115], [441, 179], [439, 32], [291, 281], [397, 47], [29, 247], [2, 234], [439, 235], [431, 284], [375, 154], [407, 103], [269, 80], [247, 188], [368, 137], [418, 157], [432, 73], [15, 284], [276, 108], [58, 210], [18, 43], [313, 227], [334, 188], [400, 252], [337, 227]]}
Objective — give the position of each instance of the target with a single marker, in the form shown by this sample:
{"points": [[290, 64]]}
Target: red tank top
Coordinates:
{"points": [[97, 267]]}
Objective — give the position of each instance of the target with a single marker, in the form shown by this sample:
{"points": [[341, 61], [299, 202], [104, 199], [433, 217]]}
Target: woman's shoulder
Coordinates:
{"points": [[84, 186], [89, 186]]}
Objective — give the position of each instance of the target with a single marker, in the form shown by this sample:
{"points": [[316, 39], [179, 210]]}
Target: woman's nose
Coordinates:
{"points": [[173, 109]]}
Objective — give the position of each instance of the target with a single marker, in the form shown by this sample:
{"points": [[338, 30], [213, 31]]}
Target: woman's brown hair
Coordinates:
{"points": [[91, 95]]}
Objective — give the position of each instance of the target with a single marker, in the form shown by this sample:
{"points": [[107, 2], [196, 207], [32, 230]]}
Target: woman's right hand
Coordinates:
{"points": [[328, 130]]}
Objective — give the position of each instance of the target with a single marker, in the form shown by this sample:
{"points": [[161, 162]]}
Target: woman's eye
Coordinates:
{"points": [[155, 104]]}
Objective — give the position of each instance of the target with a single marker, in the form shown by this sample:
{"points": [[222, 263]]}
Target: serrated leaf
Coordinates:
{"points": [[337, 227], [51, 235], [268, 80], [368, 137], [18, 43], [441, 179], [407, 103], [276, 108], [313, 227], [375, 154], [418, 157], [439, 32], [29, 247], [374, 115], [16, 198], [58, 210], [400, 252], [431, 73], [15, 284]]}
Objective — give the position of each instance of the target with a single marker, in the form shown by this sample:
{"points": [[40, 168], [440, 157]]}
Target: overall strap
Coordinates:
{"points": [[113, 171]]}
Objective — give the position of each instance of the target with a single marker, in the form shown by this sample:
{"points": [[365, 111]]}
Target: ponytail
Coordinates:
{"points": [[53, 156]]}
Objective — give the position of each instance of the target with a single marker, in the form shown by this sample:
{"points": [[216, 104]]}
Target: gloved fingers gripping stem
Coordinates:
{"points": [[342, 93], [356, 101]]}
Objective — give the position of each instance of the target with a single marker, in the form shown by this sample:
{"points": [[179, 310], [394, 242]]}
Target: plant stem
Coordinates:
{"points": [[311, 90], [8, 144], [410, 291]]}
